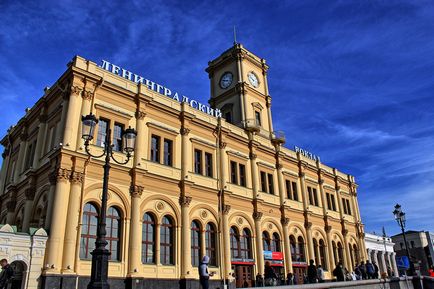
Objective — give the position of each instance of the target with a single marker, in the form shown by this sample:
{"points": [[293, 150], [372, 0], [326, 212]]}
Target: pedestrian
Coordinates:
{"points": [[269, 275], [376, 270], [338, 272], [320, 274], [347, 275], [312, 274], [357, 273], [259, 280], [431, 271], [203, 273], [370, 270], [290, 279], [362, 269], [6, 274]]}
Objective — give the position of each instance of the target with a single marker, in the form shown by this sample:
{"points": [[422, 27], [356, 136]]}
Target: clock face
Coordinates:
{"points": [[226, 80], [253, 79]]}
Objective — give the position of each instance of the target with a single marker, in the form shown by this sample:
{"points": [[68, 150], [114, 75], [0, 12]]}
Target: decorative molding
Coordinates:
{"points": [[185, 201], [136, 191], [308, 225], [327, 229], [63, 174], [202, 142], [140, 114], [252, 156], [301, 175], [257, 216], [76, 90], [222, 145], [87, 95], [77, 177], [344, 232], [237, 154]]}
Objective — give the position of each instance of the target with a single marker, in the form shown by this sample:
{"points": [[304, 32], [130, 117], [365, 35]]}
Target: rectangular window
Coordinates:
{"points": [[167, 152], [294, 191], [263, 182], [103, 126], [117, 137], [198, 161], [288, 189], [234, 173], [53, 138], [258, 117], [242, 175], [309, 191], [270, 184], [29, 157], [208, 165], [155, 148], [332, 200], [329, 201], [315, 197], [348, 207]]}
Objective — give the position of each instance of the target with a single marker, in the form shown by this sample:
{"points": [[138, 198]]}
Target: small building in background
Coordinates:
{"points": [[420, 245], [380, 250]]}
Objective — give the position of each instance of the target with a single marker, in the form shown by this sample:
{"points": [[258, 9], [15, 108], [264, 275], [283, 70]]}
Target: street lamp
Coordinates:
{"points": [[400, 218], [100, 255]]}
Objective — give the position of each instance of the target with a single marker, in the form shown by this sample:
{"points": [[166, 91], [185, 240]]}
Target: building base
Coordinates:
{"points": [[81, 282]]}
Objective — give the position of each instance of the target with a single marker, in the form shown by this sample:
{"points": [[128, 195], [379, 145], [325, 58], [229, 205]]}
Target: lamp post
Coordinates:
{"points": [[400, 218], [100, 255]]}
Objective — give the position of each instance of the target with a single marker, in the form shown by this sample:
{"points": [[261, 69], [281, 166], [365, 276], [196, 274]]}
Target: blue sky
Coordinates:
{"points": [[351, 81]]}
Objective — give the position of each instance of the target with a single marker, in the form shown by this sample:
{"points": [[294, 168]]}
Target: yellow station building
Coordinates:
{"points": [[205, 179]]}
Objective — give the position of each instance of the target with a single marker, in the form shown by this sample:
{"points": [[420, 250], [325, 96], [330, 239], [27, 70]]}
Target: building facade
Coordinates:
{"points": [[204, 180], [420, 245], [379, 249]]}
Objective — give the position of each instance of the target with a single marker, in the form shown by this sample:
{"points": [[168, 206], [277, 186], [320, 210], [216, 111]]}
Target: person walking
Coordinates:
{"points": [[376, 270], [320, 274], [290, 279], [269, 275], [338, 272], [370, 270], [203, 273], [312, 274], [6, 274], [362, 269]]}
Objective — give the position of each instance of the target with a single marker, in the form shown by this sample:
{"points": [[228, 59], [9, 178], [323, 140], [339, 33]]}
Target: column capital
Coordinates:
{"points": [[257, 216], [87, 94], [30, 193], [328, 229], [184, 131], [222, 145], [77, 177], [185, 201], [301, 174], [308, 225], [285, 221], [226, 209], [344, 232], [77, 90], [140, 114], [279, 166], [252, 155], [136, 191], [321, 181], [63, 175]]}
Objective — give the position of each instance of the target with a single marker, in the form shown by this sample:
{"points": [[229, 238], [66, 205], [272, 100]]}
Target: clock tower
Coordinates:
{"points": [[239, 89]]}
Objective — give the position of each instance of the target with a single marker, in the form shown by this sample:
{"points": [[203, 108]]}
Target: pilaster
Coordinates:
{"points": [[185, 201], [259, 249], [28, 205], [73, 117], [135, 243]]}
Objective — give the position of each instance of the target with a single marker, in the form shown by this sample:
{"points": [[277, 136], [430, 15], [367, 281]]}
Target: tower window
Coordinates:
{"points": [[258, 117]]}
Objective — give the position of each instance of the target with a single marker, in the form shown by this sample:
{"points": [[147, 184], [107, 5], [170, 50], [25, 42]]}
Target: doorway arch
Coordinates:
{"points": [[20, 274]]}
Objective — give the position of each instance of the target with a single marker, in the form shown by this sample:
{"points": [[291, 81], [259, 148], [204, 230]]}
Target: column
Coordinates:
{"points": [[28, 206], [72, 222], [389, 263], [323, 196], [86, 108], [135, 245], [73, 117], [3, 172], [21, 156], [270, 119], [375, 258], [59, 216], [383, 262], [348, 264], [332, 261], [10, 217], [394, 266], [309, 241], [287, 245], [369, 255], [302, 189], [40, 139], [52, 177], [226, 243], [259, 249], [141, 147], [185, 201]]}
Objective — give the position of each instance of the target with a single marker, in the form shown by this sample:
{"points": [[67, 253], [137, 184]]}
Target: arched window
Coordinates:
{"points": [[301, 257], [293, 244], [235, 243], [246, 244], [356, 254], [148, 239], [266, 241], [113, 229], [195, 243], [211, 243], [322, 254], [89, 222], [351, 255], [316, 252], [340, 253], [167, 239], [275, 243]]}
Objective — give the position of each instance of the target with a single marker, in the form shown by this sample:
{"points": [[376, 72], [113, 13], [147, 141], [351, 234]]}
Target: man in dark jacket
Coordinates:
{"points": [[6, 274], [362, 269], [376, 270], [312, 273], [338, 272], [370, 270]]}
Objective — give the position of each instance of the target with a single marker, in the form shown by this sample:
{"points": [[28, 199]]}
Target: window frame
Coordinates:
{"points": [[109, 237], [88, 238], [170, 237], [146, 243]]}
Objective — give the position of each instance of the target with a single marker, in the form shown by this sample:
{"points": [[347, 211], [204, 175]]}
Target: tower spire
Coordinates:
{"points": [[235, 36]]}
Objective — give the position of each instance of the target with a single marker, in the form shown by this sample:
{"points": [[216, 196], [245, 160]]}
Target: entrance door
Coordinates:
{"points": [[243, 276], [299, 274]]}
